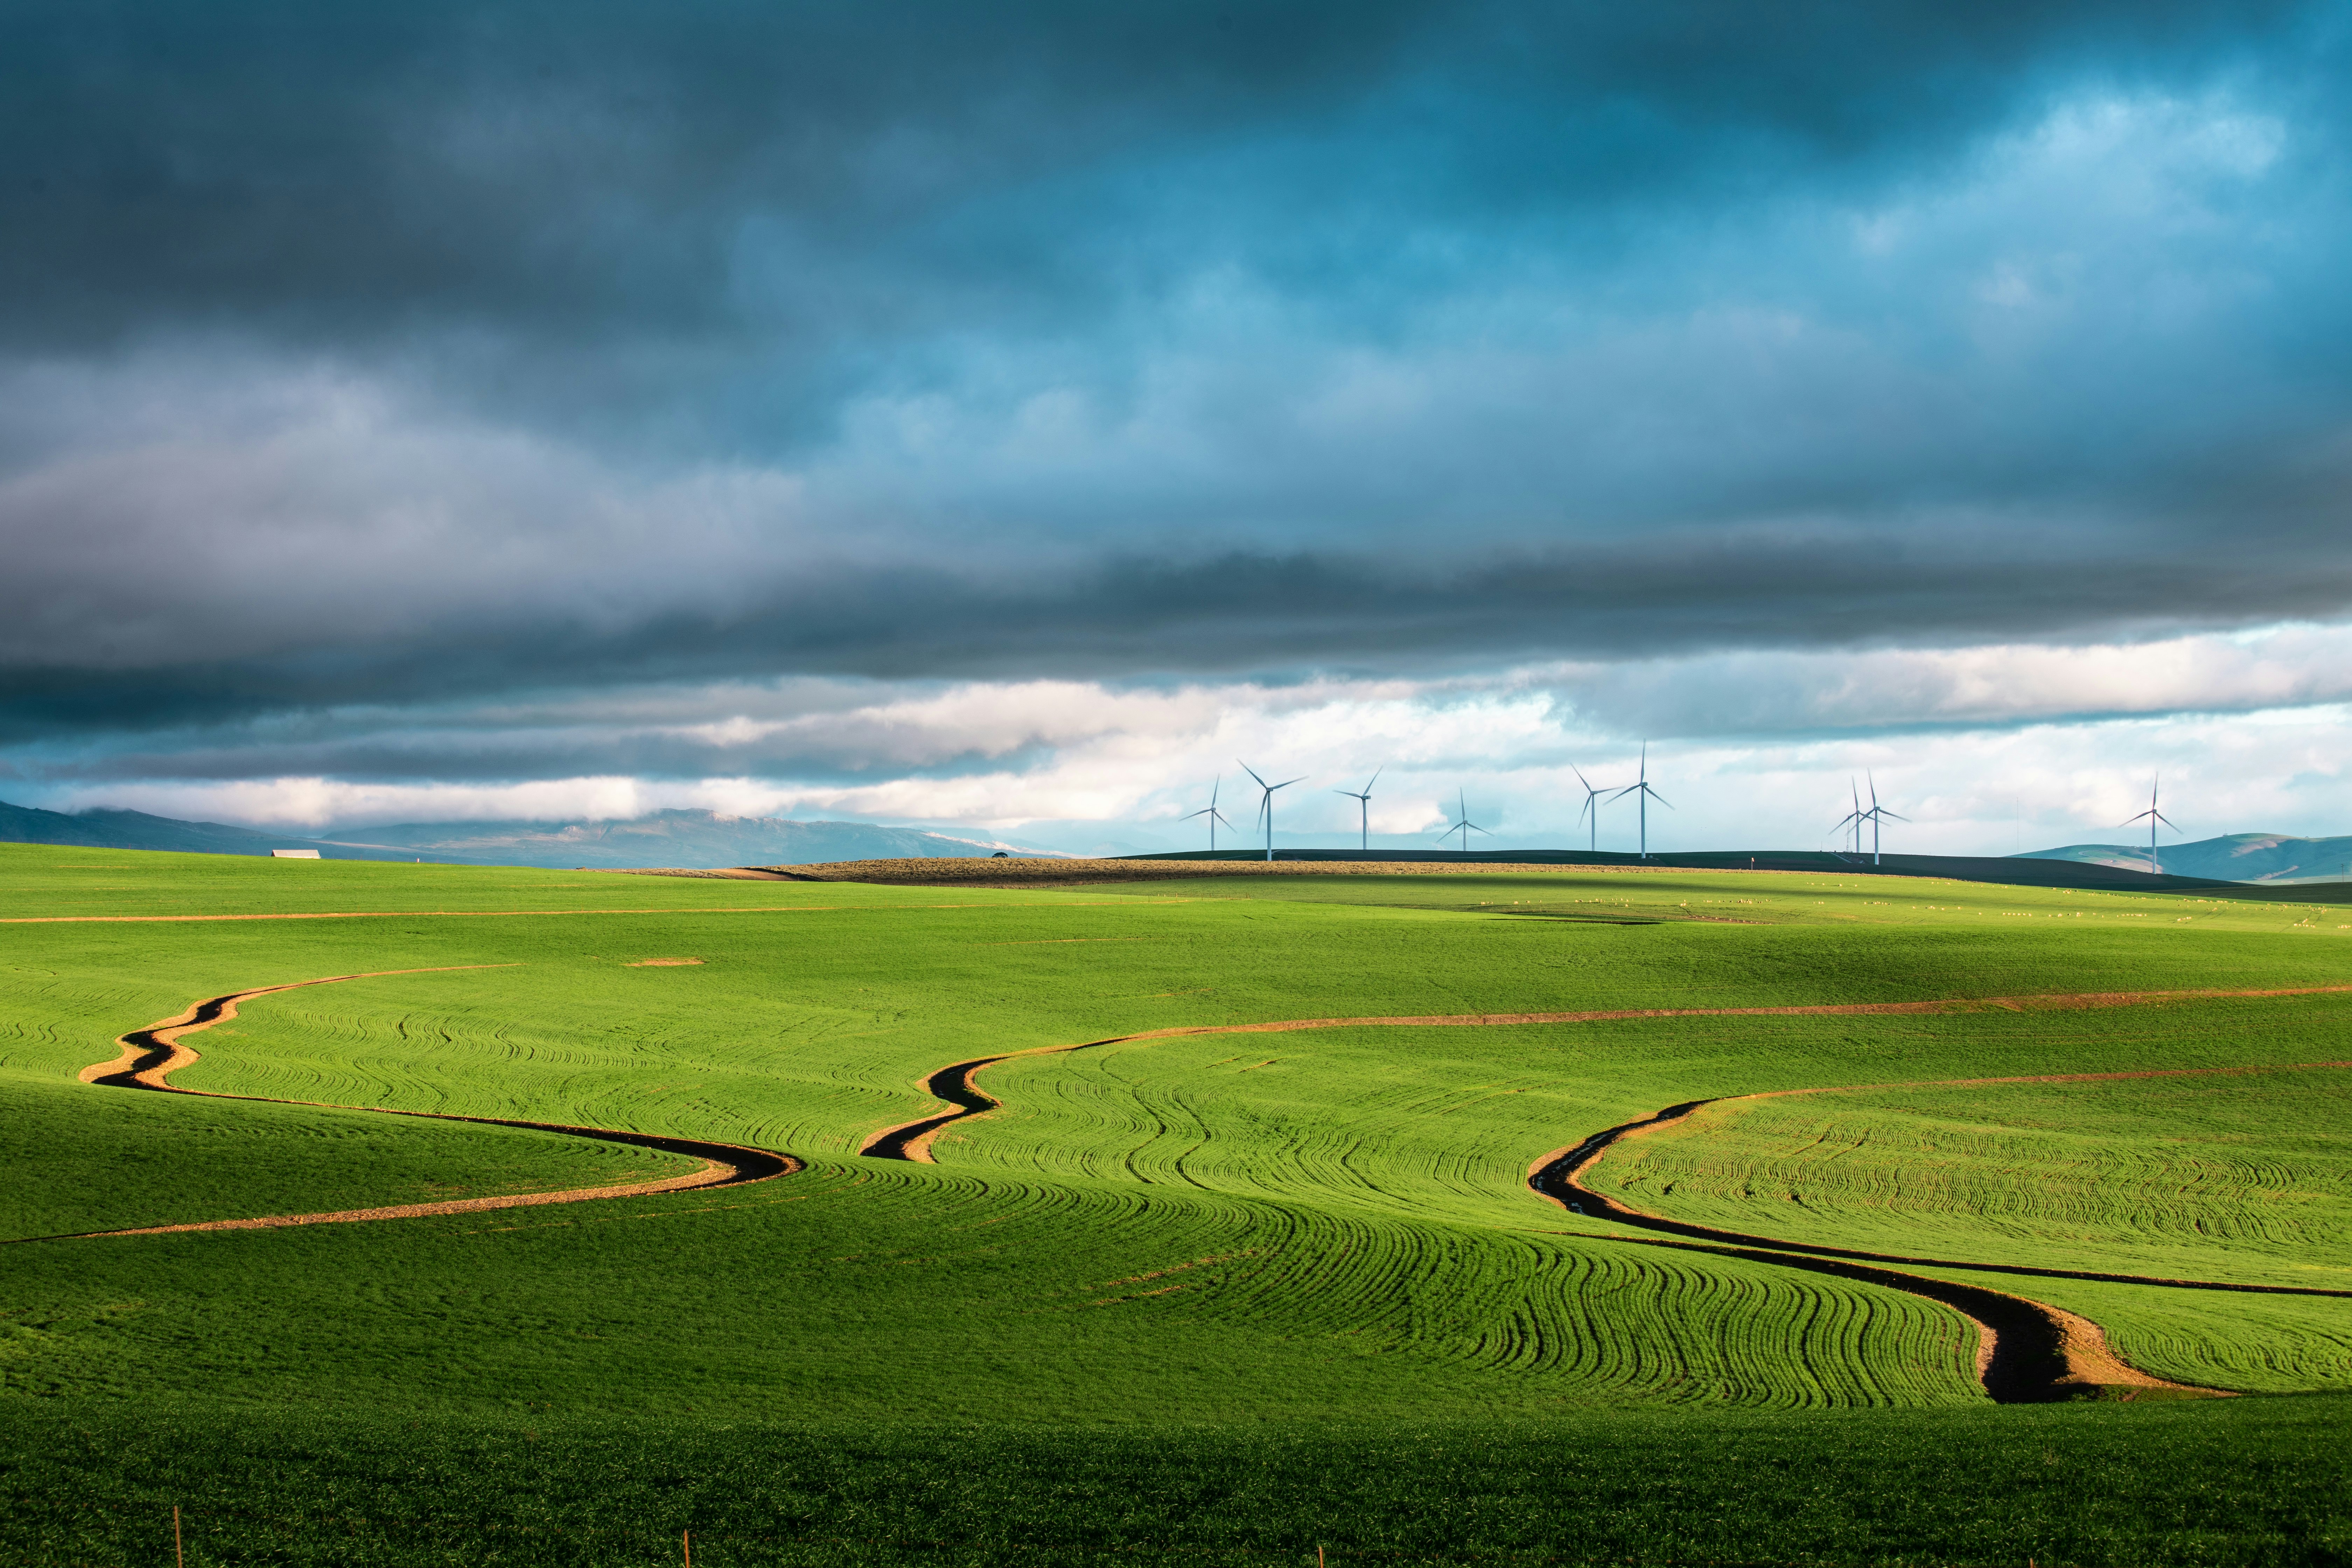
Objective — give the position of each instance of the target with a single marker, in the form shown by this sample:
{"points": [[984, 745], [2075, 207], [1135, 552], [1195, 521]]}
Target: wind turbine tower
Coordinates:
{"points": [[1876, 816], [1464, 826], [1363, 799], [1212, 814], [1265, 802], [1642, 789], [2152, 817], [1592, 797], [1853, 819]]}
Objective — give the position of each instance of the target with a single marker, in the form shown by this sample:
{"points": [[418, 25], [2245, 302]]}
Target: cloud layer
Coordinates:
{"points": [[874, 400]]}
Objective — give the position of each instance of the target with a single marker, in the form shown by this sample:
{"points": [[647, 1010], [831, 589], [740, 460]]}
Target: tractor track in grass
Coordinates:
{"points": [[958, 1085], [2027, 1352], [146, 1057], [1555, 1176]]}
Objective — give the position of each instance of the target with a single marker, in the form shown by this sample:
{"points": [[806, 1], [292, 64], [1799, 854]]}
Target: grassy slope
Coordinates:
{"points": [[116, 1159], [2250, 1484], [2246, 1178], [1007, 1286], [1415, 1122]]}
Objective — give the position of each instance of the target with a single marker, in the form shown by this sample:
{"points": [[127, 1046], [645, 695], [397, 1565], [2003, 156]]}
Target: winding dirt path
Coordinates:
{"points": [[146, 1057], [2027, 1351], [958, 1084], [1557, 1176]]}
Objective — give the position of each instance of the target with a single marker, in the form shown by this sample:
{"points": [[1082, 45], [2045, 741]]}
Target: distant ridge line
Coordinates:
{"points": [[2009, 870]]}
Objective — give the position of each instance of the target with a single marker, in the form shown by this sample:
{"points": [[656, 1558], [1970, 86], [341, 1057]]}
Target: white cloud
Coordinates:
{"points": [[1143, 761], [1858, 693]]}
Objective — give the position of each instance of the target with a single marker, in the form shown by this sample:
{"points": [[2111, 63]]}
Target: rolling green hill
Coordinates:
{"points": [[1208, 1293]]}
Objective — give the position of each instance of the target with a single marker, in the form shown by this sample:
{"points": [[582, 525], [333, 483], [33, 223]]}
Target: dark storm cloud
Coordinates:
{"points": [[578, 170], [407, 354], [1235, 615]]}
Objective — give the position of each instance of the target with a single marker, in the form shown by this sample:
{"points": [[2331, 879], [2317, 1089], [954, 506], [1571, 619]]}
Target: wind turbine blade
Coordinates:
{"points": [[1662, 800], [1892, 815], [1374, 779], [1581, 778], [1252, 772]]}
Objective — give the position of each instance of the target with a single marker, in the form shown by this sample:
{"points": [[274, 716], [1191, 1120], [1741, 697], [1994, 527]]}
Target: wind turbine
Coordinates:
{"points": [[1265, 802], [1363, 799], [1591, 796], [1876, 816], [1855, 818], [1466, 826], [1212, 813], [1648, 794], [2152, 817]]}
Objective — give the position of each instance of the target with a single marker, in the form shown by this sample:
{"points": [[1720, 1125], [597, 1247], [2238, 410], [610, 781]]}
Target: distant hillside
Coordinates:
{"points": [[2010, 871], [2235, 857], [686, 839], [137, 830]]}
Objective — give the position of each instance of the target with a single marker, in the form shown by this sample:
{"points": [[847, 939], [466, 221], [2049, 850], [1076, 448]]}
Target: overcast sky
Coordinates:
{"points": [[1008, 415]]}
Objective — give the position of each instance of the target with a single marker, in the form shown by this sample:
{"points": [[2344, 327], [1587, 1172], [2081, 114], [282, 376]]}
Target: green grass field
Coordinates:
{"points": [[1206, 1298]]}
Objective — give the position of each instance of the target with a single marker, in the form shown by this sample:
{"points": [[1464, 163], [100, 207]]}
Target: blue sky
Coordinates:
{"points": [[1009, 417]]}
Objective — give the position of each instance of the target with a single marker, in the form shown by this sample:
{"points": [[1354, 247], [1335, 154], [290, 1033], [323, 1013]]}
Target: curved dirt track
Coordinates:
{"points": [[394, 915], [1555, 1176], [2027, 1351], [957, 1083], [146, 1057]]}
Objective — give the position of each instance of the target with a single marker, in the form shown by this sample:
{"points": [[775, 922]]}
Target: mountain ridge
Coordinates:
{"points": [[687, 839], [684, 838], [2232, 858]]}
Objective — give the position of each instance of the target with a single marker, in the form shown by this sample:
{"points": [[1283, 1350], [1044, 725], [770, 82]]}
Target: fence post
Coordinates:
{"points": [[686, 1544], [179, 1557]]}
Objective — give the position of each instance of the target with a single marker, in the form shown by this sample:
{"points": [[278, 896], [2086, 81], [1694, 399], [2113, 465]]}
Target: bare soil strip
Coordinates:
{"points": [[1557, 1177], [2027, 1351], [957, 1083], [396, 915], [951, 871], [146, 1057], [518, 914]]}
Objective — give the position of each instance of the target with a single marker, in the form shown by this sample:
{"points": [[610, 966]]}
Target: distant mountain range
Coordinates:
{"points": [[689, 839], [137, 830], [2235, 858], [708, 839], [681, 838]]}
